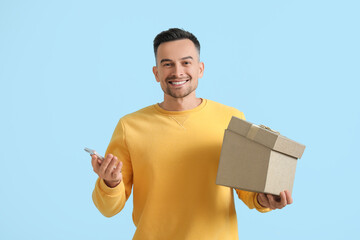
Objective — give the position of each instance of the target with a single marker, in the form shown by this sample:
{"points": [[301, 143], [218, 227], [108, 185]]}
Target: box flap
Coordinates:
{"points": [[266, 137]]}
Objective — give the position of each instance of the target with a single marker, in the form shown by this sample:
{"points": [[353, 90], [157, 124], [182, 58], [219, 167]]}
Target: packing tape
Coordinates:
{"points": [[252, 131], [269, 129]]}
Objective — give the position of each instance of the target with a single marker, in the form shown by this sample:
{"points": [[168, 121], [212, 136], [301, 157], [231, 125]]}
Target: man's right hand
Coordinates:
{"points": [[109, 169]]}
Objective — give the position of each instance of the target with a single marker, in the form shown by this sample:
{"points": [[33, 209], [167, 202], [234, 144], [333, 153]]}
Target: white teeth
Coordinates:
{"points": [[178, 83]]}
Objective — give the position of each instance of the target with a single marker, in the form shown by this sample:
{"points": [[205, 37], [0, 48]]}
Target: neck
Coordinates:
{"points": [[180, 104]]}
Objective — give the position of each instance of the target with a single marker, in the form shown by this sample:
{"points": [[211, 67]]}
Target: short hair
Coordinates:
{"points": [[174, 34]]}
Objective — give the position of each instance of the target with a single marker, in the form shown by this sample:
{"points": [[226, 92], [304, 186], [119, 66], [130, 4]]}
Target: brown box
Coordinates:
{"points": [[257, 159]]}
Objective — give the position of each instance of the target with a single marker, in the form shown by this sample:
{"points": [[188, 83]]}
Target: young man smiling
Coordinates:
{"points": [[168, 154], [178, 69]]}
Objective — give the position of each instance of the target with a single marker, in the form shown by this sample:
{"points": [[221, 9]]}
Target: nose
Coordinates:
{"points": [[178, 71]]}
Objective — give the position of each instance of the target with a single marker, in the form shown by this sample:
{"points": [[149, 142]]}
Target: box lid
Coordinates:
{"points": [[267, 137]]}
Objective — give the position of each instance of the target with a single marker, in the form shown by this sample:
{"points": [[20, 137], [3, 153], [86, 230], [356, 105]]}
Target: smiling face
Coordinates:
{"points": [[178, 68]]}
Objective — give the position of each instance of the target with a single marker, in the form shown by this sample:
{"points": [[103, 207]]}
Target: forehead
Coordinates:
{"points": [[178, 49]]}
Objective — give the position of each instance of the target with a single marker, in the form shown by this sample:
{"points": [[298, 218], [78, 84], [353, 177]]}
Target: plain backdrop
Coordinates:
{"points": [[69, 70]]}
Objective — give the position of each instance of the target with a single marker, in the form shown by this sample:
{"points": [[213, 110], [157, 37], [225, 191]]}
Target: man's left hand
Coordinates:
{"points": [[275, 202]]}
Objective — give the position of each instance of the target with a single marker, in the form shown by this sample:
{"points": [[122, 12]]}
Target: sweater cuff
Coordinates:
{"points": [[258, 206], [111, 191]]}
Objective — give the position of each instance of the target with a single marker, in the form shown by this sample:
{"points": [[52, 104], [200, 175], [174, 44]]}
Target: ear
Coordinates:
{"points": [[201, 69], [156, 73]]}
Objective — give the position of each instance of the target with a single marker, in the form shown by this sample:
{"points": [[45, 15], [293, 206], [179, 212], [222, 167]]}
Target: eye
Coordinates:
{"points": [[187, 63]]}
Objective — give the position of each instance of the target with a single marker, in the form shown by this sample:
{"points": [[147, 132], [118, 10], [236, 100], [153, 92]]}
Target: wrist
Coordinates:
{"points": [[112, 184]]}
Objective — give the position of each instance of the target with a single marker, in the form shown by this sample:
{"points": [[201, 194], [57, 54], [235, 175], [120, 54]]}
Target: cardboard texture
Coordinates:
{"points": [[257, 159]]}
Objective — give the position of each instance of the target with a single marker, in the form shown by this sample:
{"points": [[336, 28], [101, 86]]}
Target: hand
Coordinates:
{"points": [[275, 202], [109, 169]]}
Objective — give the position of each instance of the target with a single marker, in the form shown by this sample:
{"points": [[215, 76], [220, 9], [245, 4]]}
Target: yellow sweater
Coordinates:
{"points": [[171, 159]]}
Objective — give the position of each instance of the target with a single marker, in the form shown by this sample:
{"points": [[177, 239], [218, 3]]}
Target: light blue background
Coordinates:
{"points": [[70, 69]]}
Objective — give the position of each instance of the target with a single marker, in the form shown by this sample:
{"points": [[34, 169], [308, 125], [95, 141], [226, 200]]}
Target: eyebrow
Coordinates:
{"points": [[169, 60], [188, 57]]}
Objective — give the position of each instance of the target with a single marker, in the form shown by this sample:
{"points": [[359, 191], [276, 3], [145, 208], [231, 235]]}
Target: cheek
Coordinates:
{"points": [[195, 74], [161, 75], [162, 81]]}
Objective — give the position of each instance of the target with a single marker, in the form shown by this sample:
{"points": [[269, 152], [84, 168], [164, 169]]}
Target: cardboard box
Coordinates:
{"points": [[257, 159]]}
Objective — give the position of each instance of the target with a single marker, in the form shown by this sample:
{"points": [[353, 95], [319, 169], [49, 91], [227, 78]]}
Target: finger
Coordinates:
{"points": [[263, 200], [288, 197], [272, 201], [94, 163], [283, 201], [105, 164], [120, 165], [277, 204], [99, 158], [111, 167], [117, 174]]}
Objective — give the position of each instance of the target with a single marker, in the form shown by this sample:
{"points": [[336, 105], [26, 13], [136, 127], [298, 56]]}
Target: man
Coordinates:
{"points": [[169, 154]]}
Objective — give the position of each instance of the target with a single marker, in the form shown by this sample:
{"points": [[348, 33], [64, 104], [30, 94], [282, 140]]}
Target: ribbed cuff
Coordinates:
{"points": [[111, 191]]}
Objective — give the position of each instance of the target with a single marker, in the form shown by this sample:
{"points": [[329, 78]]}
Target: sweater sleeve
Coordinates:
{"points": [[110, 201], [249, 198]]}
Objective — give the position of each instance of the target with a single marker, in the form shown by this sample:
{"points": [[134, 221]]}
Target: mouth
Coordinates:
{"points": [[178, 83]]}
